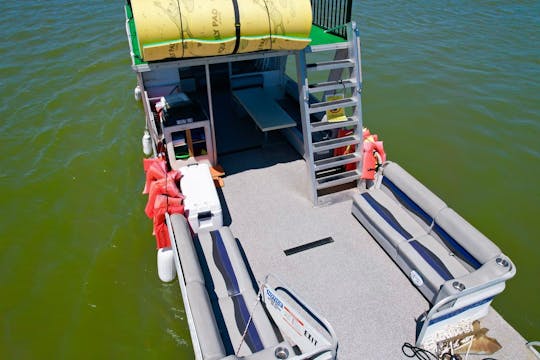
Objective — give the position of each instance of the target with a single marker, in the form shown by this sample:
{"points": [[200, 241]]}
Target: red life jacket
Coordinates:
{"points": [[164, 204], [166, 186], [373, 156]]}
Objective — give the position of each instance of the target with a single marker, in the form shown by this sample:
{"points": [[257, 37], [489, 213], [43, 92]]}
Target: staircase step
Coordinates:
{"points": [[332, 85], [336, 143], [331, 105], [325, 125], [330, 65], [337, 161], [337, 179], [328, 47]]}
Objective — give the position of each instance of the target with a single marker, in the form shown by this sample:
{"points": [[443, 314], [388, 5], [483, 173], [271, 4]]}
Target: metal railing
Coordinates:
{"points": [[532, 345], [331, 14], [441, 306], [322, 351]]}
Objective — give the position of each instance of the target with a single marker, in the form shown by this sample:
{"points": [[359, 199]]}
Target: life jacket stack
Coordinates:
{"points": [[163, 197]]}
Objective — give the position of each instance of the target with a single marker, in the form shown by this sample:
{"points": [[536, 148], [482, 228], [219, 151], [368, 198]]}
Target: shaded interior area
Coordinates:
{"points": [[235, 129]]}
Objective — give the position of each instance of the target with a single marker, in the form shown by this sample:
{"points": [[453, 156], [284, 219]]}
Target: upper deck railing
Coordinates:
{"points": [[331, 14]]}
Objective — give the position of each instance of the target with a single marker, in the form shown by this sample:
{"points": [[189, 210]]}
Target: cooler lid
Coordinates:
{"points": [[198, 188]]}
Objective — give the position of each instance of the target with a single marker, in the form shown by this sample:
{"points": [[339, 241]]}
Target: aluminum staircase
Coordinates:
{"points": [[327, 170]]}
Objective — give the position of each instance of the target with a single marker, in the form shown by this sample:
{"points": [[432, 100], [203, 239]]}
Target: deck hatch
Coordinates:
{"points": [[311, 245]]}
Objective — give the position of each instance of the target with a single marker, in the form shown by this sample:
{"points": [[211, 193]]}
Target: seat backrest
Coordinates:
{"points": [[232, 294], [186, 249], [208, 333], [211, 344], [463, 239], [412, 194]]}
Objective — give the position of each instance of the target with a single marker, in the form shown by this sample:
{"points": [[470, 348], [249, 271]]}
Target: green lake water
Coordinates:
{"points": [[451, 87]]}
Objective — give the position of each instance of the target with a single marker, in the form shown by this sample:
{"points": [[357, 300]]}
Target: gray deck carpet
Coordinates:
{"points": [[348, 281], [352, 282]]}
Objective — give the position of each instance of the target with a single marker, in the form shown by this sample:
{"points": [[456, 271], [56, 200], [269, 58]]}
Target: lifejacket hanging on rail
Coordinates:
{"points": [[166, 186], [154, 169], [373, 155], [149, 162], [163, 197], [157, 169], [162, 205]]}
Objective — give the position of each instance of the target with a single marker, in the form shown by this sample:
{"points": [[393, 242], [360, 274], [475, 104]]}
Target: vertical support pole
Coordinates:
{"points": [[353, 36], [147, 111], [211, 113], [150, 122], [355, 39], [282, 70], [230, 76], [303, 100]]}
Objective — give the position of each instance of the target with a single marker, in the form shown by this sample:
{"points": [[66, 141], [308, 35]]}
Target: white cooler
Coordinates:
{"points": [[201, 203]]}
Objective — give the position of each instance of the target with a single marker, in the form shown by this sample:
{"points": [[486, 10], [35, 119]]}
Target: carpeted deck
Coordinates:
{"points": [[351, 281]]}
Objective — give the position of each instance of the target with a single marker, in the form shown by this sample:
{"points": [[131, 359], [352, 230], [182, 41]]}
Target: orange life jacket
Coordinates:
{"points": [[164, 204], [157, 169], [166, 186], [373, 156]]}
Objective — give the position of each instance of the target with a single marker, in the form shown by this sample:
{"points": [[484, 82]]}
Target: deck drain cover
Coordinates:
{"points": [[311, 245]]}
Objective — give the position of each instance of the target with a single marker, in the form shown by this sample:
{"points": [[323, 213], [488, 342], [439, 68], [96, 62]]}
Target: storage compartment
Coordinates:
{"points": [[186, 131], [201, 203], [181, 149], [188, 144]]}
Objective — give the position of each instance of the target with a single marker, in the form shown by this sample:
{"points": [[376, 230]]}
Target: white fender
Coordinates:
{"points": [[137, 93], [165, 264], [147, 143]]}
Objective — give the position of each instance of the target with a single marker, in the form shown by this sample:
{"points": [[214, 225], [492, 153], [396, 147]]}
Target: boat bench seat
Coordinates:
{"points": [[221, 295], [435, 247]]}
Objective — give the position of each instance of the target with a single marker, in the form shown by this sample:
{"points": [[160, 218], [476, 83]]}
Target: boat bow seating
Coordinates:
{"points": [[221, 296], [455, 266]]}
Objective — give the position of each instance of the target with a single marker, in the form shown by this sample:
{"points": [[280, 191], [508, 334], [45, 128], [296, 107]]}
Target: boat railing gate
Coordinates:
{"points": [[332, 15], [280, 287], [446, 305], [532, 345]]}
